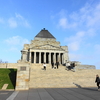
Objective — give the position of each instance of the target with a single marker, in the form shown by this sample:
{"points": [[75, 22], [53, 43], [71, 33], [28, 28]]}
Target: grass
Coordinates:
{"points": [[8, 76]]}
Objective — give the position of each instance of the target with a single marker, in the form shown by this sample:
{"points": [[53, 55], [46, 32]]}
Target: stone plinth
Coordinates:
{"points": [[22, 82]]}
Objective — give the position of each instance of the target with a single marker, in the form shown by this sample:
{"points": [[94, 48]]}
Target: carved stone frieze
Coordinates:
{"points": [[48, 47]]}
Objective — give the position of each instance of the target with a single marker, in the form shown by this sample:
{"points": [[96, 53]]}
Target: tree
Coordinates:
{"points": [[6, 62], [3, 61]]}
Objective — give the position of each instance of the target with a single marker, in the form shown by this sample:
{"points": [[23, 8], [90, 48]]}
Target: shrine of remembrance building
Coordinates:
{"points": [[44, 48]]}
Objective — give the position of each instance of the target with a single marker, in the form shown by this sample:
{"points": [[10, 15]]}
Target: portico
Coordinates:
{"points": [[47, 57]]}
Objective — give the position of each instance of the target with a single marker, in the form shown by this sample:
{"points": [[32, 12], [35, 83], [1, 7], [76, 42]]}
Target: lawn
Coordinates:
{"points": [[8, 76]]}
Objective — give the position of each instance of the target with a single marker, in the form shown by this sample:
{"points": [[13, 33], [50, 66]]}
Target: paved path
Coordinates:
{"points": [[52, 94], [5, 94]]}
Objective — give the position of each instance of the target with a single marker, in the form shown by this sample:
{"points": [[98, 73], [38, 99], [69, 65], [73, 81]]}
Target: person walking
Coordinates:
{"points": [[44, 65], [97, 81], [52, 65], [68, 66], [73, 67]]}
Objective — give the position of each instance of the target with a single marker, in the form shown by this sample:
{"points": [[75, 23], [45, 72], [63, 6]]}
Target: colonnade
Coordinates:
{"points": [[47, 57]]}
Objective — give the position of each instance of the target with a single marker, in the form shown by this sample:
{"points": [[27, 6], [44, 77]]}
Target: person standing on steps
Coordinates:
{"points": [[68, 66], [52, 65], [57, 64], [97, 81], [44, 65], [73, 67]]}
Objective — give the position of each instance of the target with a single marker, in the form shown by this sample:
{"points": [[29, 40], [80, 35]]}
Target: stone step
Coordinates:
{"points": [[40, 78]]}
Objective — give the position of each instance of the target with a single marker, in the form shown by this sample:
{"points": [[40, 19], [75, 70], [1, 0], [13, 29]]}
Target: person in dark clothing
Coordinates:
{"points": [[73, 67], [57, 64], [97, 81], [52, 64]]}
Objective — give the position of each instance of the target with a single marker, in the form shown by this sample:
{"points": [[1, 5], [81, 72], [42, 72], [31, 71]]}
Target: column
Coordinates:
{"points": [[62, 58], [34, 57], [40, 57], [59, 58], [54, 58], [30, 57], [45, 57], [49, 57]]}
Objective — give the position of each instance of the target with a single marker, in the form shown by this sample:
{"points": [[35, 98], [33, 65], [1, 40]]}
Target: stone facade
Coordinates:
{"points": [[44, 48]]}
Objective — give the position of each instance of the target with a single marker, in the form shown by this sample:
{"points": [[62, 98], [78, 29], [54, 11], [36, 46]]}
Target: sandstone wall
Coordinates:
{"points": [[8, 65], [35, 43], [22, 81], [85, 67]]}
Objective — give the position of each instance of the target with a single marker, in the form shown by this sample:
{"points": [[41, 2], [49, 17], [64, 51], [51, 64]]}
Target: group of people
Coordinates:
{"points": [[53, 65], [70, 66]]}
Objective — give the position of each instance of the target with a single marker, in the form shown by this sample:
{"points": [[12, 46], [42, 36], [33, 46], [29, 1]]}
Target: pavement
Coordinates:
{"points": [[52, 94]]}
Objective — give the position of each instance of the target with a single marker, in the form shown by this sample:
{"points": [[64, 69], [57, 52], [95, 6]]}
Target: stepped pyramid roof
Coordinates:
{"points": [[44, 34]]}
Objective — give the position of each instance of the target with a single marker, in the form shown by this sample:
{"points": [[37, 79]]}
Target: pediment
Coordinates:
{"points": [[47, 47]]}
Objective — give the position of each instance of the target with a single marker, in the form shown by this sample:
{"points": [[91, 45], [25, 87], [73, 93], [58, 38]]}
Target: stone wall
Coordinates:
{"points": [[79, 67], [35, 43], [23, 76], [9, 65]]}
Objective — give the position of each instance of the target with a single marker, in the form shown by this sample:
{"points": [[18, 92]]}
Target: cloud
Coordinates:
{"points": [[75, 41], [22, 20], [84, 18], [74, 46], [63, 23], [91, 32], [12, 23], [14, 49], [93, 17], [18, 20], [75, 57], [88, 16], [19, 16], [16, 40]]}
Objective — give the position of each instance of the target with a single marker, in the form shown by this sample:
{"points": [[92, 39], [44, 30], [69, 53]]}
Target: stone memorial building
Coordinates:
{"points": [[44, 48]]}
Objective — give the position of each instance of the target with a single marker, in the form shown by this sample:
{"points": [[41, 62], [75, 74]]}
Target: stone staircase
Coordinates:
{"points": [[61, 78]]}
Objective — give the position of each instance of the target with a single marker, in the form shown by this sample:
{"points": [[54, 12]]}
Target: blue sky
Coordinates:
{"points": [[75, 23]]}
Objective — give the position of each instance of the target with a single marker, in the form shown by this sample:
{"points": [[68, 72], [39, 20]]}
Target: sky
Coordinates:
{"points": [[74, 23]]}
